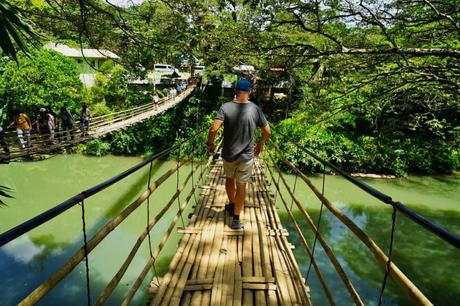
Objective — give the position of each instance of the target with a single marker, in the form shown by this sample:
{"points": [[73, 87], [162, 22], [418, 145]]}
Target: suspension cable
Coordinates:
{"points": [[177, 185], [402, 280], [296, 177], [421, 220], [318, 223], [148, 210], [328, 250], [60, 208], [148, 220], [304, 243], [85, 247], [387, 266]]}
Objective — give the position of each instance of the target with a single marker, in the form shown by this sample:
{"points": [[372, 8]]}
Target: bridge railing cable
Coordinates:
{"points": [[60, 208], [421, 220], [327, 248], [390, 268], [303, 241], [82, 254], [99, 125]]}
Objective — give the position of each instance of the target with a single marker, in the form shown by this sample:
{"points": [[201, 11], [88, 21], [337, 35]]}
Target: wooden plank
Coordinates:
{"points": [[247, 261], [253, 286], [300, 286], [238, 289], [263, 227], [205, 281], [207, 239], [177, 264], [254, 266], [216, 293], [257, 279], [197, 287], [230, 275], [259, 295]]}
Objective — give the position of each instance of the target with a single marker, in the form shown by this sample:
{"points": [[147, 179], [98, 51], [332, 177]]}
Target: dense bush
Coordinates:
{"points": [[97, 147], [47, 78], [354, 152]]}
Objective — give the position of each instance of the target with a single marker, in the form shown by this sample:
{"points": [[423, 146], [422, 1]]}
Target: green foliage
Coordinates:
{"points": [[97, 147], [161, 132], [15, 32], [354, 152], [109, 87], [49, 79]]}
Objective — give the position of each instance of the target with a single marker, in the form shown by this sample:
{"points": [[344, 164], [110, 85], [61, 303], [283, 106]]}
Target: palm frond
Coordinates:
{"points": [[4, 192], [15, 32]]}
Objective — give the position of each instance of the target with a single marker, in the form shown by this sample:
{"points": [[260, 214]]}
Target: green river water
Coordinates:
{"points": [[432, 264]]}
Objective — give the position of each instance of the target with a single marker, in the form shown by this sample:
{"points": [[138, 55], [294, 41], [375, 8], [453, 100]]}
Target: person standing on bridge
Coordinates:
{"points": [[240, 118], [23, 127], [67, 123], [85, 118]]}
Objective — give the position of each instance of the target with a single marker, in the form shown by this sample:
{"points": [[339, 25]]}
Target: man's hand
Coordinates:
{"points": [[212, 149], [258, 148]]}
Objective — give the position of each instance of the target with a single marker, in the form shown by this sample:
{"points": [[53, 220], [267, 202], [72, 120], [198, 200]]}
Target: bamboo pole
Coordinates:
{"points": [[301, 286], [309, 252], [151, 261], [398, 276], [118, 276], [51, 282], [343, 276]]}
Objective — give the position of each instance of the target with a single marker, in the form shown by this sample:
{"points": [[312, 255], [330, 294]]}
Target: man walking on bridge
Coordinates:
{"points": [[240, 118]]}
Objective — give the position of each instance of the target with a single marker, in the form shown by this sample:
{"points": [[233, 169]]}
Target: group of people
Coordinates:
{"points": [[173, 91], [47, 124]]}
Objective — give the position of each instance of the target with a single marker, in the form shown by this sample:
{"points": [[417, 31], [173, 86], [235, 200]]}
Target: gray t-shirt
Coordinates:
{"points": [[240, 121]]}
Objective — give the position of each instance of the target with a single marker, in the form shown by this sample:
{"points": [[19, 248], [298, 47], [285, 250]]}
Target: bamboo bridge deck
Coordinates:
{"points": [[215, 265]]}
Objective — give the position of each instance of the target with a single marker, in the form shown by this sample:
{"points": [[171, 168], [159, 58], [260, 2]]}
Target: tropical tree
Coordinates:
{"points": [[15, 32]]}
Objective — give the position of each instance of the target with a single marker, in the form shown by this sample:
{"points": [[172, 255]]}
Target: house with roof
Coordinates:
{"points": [[88, 60]]}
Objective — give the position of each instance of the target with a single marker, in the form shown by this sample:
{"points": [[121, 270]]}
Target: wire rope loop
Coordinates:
{"points": [[193, 181], [390, 251], [148, 209], [85, 247], [177, 181], [318, 223], [296, 176]]}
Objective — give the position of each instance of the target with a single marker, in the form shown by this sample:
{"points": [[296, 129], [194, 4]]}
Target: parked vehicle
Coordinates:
{"points": [[199, 69], [164, 67]]}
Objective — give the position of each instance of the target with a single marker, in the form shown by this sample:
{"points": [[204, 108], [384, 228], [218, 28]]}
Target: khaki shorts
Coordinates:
{"points": [[241, 170]]}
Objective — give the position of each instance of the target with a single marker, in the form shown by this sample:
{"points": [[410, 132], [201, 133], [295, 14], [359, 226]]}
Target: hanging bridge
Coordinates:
{"points": [[99, 127], [214, 265]]}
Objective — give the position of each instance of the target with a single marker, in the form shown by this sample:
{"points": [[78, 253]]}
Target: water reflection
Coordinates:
{"points": [[23, 250], [431, 263]]}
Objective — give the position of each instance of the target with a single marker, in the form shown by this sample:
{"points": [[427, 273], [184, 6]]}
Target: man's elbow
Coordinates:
{"points": [[266, 131], [213, 129]]}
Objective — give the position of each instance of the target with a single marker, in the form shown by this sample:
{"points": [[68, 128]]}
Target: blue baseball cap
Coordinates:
{"points": [[243, 85]]}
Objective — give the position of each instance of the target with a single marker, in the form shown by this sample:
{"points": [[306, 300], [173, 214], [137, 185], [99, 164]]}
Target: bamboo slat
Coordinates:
{"points": [[220, 268]]}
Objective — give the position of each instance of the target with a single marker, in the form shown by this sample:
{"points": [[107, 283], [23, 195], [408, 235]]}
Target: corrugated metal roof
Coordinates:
{"points": [[78, 53]]}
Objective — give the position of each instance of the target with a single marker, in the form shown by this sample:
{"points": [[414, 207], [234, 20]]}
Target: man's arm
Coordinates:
{"points": [[28, 121], [266, 132], [212, 135]]}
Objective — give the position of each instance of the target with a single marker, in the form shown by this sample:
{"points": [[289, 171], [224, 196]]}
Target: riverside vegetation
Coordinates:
{"points": [[370, 85]]}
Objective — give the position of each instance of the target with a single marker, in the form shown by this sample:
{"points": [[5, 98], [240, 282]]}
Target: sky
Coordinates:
{"points": [[125, 3]]}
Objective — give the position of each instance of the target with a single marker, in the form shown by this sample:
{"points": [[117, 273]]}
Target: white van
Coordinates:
{"points": [[198, 69], [163, 67]]}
